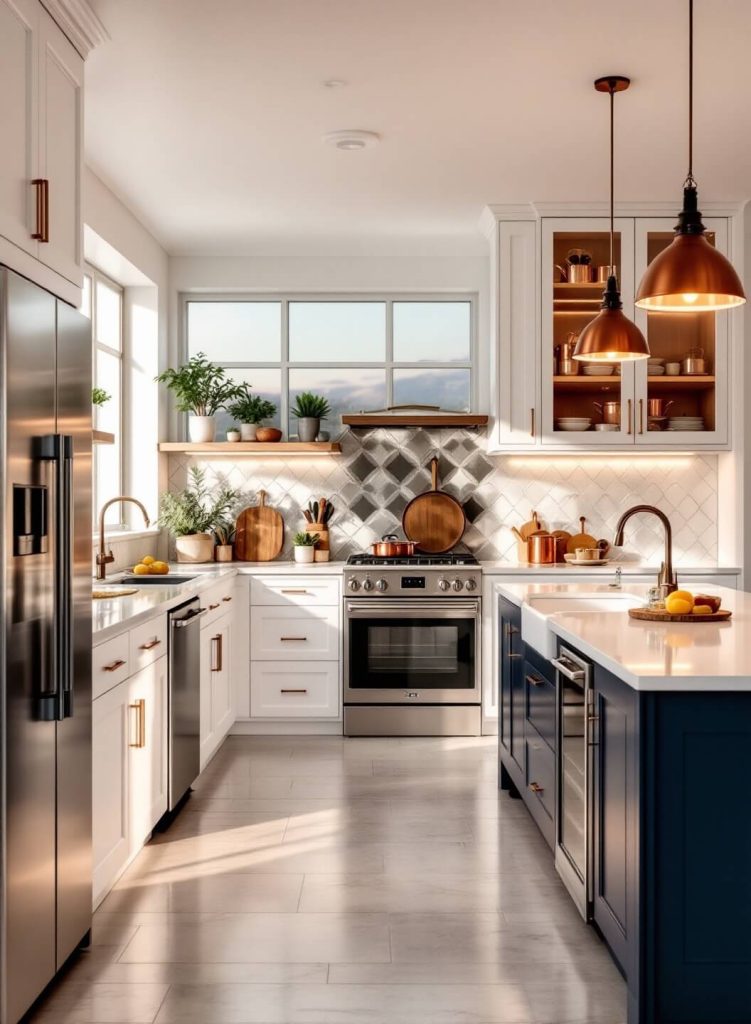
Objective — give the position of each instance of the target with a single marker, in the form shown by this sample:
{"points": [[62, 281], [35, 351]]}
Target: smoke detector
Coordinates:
{"points": [[352, 139]]}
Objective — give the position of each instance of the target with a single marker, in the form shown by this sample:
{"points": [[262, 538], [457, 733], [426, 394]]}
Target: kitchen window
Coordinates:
{"points": [[363, 352], [103, 303]]}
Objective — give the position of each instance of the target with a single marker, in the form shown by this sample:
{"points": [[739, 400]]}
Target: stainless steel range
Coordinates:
{"points": [[412, 646]]}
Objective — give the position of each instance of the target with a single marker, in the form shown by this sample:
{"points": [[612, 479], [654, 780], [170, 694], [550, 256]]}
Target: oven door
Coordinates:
{"points": [[412, 652]]}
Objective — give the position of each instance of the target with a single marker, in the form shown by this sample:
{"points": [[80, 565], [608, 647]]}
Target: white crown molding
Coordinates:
{"points": [[79, 22], [495, 212]]}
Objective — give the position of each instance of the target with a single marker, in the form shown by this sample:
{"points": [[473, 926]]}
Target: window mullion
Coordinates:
{"points": [[389, 353]]}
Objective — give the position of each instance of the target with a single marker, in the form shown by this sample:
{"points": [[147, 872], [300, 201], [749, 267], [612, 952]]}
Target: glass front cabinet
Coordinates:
{"points": [[551, 274]]}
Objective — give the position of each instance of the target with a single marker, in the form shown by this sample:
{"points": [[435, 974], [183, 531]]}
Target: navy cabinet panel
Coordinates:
{"points": [[540, 696], [540, 792], [510, 643]]}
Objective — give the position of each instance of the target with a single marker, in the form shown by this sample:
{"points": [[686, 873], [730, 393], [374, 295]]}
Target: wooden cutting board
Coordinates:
{"points": [[260, 532], [581, 539], [660, 615], [434, 520]]}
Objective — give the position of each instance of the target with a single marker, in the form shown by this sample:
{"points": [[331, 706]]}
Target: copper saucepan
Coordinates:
{"points": [[389, 546]]}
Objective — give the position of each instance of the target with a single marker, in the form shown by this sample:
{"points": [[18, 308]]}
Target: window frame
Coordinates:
{"points": [[388, 364], [97, 275]]}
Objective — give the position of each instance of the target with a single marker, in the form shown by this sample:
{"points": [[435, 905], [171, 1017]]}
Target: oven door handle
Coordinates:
{"points": [[410, 609]]}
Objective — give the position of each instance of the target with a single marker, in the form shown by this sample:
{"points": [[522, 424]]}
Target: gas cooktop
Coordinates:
{"points": [[424, 561]]}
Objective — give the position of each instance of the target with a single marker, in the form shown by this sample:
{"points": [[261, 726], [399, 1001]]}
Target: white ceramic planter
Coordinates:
{"points": [[308, 427], [304, 554], [195, 547], [233, 435], [201, 429], [248, 431]]}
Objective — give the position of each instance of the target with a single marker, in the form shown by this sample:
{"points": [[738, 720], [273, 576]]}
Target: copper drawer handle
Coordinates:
{"points": [[294, 591], [217, 653], [114, 665], [532, 430], [140, 707], [226, 599], [629, 417], [641, 415], [293, 691], [284, 639], [536, 788], [150, 645], [535, 680], [42, 232], [212, 607]]}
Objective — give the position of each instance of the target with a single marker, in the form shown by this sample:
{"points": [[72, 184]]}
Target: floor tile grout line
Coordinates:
{"points": [[164, 1000]]}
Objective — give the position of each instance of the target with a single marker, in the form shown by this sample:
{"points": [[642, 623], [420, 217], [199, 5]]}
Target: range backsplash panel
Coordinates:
{"points": [[380, 470]]}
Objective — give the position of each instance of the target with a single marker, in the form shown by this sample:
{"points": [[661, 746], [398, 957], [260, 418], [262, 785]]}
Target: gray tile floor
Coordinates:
{"points": [[360, 881]]}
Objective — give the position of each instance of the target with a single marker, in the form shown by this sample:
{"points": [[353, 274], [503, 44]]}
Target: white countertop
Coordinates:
{"points": [[656, 656], [628, 568]]}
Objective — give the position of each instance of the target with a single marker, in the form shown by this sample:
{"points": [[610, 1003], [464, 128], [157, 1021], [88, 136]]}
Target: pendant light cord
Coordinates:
{"points": [[690, 181], [612, 176]]}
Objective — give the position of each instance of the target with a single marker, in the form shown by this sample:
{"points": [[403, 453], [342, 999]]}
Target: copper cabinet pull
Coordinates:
{"points": [[226, 599], [532, 430], [294, 591], [535, 680], [510, 630], [284, 639], [513, 655], [212, 607], [217, 653], [629, 417], [150, 645], [536, 788], [140, 707], [641, 415], [114, 665], [293, 691], [42, 232]]}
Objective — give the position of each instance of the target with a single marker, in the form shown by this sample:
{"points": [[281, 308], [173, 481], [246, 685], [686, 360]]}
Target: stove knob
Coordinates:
{"points": [[367, 585], [381, 585], [354, 584], [458, 584], [471, 584], [443, 584]]}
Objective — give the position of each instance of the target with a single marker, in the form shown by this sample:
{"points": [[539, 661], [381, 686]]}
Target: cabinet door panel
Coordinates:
{"points": [[60, 148], [18, 120], [147, 750], [222, 707], [110, 787]]}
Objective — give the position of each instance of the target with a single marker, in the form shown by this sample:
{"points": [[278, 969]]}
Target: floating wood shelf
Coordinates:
{"points": [[566, 285], [684, 382], [586, 380], [102, 437], [253, 447], [432, 419]]}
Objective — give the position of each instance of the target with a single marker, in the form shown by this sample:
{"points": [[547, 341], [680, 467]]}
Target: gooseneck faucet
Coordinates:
{"points": [[104, 557], [667, 581]]}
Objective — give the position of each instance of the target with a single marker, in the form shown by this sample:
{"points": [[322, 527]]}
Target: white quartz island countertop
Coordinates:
{"points": [[656, 656]]}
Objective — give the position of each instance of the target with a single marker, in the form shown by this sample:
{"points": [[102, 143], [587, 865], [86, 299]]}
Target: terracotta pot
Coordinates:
{"points": [[266, 434], [195, 547], [223, 552], [322, 544]]}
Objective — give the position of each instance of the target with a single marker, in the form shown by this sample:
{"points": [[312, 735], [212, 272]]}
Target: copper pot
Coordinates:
{"points": [[610, 411], [389, 546], [541, 548]]}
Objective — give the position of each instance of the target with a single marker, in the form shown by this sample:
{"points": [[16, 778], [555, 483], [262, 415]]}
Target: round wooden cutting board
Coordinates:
{"points": [[434, 520], [260, 532], [660, 615], [581, 539]]}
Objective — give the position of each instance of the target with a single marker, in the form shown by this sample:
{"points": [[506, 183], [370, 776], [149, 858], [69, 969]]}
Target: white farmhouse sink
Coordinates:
{"points": [[538, 608]]}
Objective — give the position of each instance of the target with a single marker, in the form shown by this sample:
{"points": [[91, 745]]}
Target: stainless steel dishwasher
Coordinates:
{"points": [[184, 711]]}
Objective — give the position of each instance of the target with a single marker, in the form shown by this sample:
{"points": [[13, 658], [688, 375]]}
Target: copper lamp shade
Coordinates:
{"points": [[611, 337]]}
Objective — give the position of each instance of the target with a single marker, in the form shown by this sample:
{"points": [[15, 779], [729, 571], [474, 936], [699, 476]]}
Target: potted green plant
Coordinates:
{"points": [[250, 411], [224, 535], [305, 546], [201, 388], [191, 514], [99, 397], [310, 409]]}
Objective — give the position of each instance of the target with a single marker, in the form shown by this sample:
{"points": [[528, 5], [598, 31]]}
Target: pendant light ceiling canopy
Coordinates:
{"points": [[690, 275], [611, 337]]}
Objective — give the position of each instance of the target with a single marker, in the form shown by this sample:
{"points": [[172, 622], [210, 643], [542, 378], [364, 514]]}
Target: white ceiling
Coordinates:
{"points": [[206, 116]]}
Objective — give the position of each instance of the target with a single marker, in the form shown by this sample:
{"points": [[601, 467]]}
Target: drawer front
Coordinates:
{"points": [[110, 664], [540, 700], [148, 643], [217, 600], [294, 634], [294, 691], [540, 774], [307, 591]]}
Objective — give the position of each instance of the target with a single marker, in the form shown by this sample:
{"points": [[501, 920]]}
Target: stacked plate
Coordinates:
{"points": [[573, 423], [598, 370], [686, 423], [655, 369]]}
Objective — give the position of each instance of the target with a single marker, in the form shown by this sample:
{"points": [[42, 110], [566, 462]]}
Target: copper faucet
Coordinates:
{"points": [[667, 581], [104, 557]]}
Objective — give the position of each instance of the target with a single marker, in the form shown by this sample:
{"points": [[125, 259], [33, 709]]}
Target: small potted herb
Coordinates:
{"points": [[310, 409], [250, 411], [224, 535], [191, 515], [201, 388], [305, 546], [99, 397]]}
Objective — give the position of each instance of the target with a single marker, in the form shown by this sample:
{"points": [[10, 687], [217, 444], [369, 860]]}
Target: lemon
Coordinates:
{"points": [[680, 602], [702, 609], [148, 560], [141, 569], [159, 568]]}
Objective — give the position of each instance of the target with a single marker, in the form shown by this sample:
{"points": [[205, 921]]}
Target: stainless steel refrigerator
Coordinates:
{"points": [[45, 643]]}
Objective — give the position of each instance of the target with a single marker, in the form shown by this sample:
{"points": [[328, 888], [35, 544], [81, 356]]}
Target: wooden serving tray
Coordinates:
{"points": [[660, 615]]}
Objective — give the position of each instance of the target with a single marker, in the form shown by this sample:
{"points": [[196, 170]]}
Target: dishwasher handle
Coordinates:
{"points": [[569, 669], [190, 617]]}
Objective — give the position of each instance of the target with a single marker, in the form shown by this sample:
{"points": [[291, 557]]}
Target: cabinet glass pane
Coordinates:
{"points": [[236, 332], [586, 396], [266, 382], [448, 389], [432, 332], [337, 332], [681, 372], [350, 389]]}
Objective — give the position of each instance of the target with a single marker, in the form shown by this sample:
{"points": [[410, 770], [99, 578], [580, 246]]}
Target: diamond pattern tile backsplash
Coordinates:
{"points": [[380, 470]]}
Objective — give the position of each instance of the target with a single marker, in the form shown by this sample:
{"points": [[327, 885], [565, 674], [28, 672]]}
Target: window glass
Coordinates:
{"points": [[108, 316], [448, 389], [349, 389], [433, 332], [85, 306], [337, 332], [107, 372], [236, 332]]}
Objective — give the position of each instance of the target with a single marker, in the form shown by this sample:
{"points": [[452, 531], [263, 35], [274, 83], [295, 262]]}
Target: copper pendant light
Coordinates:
{"points": [[611, 337], [690, 276]]}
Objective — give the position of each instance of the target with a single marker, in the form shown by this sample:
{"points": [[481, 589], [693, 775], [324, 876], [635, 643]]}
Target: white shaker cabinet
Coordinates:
{"points": [[217, 704], [147, 725]]}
